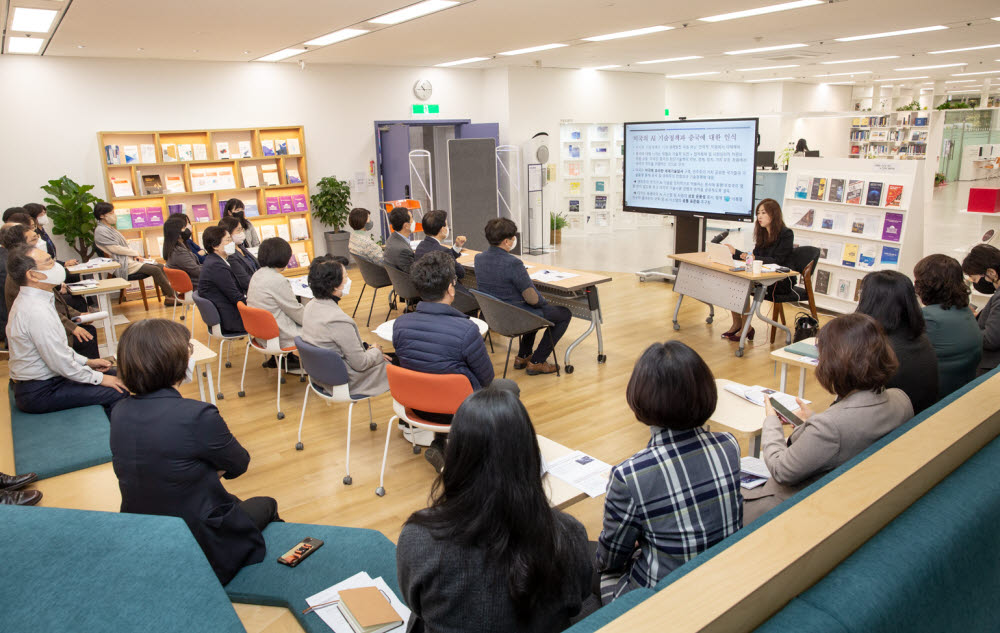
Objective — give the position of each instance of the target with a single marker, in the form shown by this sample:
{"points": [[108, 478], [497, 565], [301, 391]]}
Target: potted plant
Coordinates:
{"points": [[786, 155], [940, 180], [71, 207], [331, 205], [557, 222]]}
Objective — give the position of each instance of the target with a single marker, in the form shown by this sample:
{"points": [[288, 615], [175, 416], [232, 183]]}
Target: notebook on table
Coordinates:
{"points": [[368, 610]]}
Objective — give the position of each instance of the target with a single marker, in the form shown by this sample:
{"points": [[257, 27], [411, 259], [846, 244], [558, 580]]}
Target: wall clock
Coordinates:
{"points": [[422, 89]]}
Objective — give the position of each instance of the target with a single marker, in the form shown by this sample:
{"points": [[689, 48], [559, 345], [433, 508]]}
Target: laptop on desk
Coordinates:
{"points": [[719, 254]]}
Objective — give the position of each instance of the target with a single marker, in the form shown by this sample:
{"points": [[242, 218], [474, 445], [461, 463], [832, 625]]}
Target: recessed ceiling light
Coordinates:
{"points": [[898, 79], [861, 59], [280, 55], [80, 46], [838, 83], [765, 49], [25, 45], [140, 49], [714, 72], [757, 81], [872, 36], [785, 6], [632, 33], [671, 59], [931, 67], [32, 20], [856, 72], [414, 11], [747, 70], [533, 49], [459, 62], [336, 36], [985, 72], [246, 52], [605, 67], [959, 50], [962, 81]]}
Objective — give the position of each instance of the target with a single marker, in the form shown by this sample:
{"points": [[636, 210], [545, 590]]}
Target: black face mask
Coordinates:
{"points": [[186, 234], [984, 286], [239, 214], [369, 225]]}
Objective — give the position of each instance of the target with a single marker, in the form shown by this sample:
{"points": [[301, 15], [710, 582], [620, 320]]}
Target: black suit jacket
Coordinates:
{"points": [[219, 284], [165, 451], [244, 265], [398, 252], [430, 245]]}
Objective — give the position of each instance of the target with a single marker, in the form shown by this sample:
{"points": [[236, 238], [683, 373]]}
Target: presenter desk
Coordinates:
{"points": [[717, 285], [578, 294]]}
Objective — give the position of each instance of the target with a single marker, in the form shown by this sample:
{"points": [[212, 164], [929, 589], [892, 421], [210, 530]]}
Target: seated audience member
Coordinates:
{"points": [[236, 209], [81, 337], [681, 494], [113, 244], [438, 339], [951, 325], [888, 297], [982, 265], [435, 233], [188, 233], [398, 252], [218, 283], [11, 493], [856, 362], [42, 226], [28, 220], [489, 554], [502, 275], [361, 243], [326, 325], [170, 452], [243, 261], [47, 374], [175, 250], [270, 290], [12, 211]]}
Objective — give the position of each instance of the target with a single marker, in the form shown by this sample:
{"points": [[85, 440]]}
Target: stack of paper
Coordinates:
{"points": [[753, 472], [757, 394], [582, 472], [332, 615]]}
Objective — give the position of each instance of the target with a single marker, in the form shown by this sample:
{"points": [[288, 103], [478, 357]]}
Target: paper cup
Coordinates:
{"points": [[758, 266]]}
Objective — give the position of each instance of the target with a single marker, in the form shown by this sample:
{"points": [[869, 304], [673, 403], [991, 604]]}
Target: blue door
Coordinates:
{"points": [[478, 130], [394, 167]]}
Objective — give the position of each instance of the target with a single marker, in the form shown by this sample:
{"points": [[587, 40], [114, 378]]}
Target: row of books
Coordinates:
{"points": [[296, 229], [138, 218], [888, 227], [848, 191], [183, 152], [864, 256], [280, 147]]}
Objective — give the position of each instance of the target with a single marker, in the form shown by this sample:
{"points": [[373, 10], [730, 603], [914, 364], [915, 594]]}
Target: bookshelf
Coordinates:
{"points": [[856, 238], [198, 171], [892, 135]]}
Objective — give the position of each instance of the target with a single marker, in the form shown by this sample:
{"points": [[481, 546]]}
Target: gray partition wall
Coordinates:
{"points": [[472, 172]]}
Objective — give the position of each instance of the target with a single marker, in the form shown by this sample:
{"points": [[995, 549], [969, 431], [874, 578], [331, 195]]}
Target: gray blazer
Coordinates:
{"points": [[398, 252], [825, 441], [270, 290], [326, 325], [989, 322], [182, 258]]}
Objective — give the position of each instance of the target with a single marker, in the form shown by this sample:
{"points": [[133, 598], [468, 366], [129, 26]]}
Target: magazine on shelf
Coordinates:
{"points": [[818, 189], [893, 195], [892, 227], [152, 184], [890, 256], [850, 258], [801, 217], [867, 255], [835, 221], [246, 150], [844, 288], [293, 146], [200, 151], [147, 152], [855, 189], [836, 193], [185, 152], [822, 281], [802, 187], [874, 196], [131, 153]]}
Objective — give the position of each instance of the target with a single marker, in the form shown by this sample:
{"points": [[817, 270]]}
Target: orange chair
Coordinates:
{"points": [[181, 283], [441, 393], [263, 337], [412, 205]]}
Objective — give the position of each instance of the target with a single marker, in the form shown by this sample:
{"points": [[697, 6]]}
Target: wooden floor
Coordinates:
{"points": [[585, 410]]}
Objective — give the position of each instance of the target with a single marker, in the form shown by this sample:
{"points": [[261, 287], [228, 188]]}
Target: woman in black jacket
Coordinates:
{"points": [[170, 453], [175, 250], [773, 244], [243, 261], [218, 281]]}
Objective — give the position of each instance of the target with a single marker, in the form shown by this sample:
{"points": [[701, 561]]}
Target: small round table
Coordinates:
{"points": [[384, 331]]}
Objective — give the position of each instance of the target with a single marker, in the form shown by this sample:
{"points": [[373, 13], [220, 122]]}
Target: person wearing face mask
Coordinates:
{"points": [[175, 250], [502, 275], [187, 234], [170, 453], [269, 290], [398, 252], [236, 209], [982, 266], [242, 260], [113, 244], [361, 243], [435, 224], [326, 325], [218, 281], [46, 373], [42, 226]]}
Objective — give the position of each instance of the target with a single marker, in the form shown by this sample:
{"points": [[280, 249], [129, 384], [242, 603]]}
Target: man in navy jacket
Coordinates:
{"points": [[436, 231]]}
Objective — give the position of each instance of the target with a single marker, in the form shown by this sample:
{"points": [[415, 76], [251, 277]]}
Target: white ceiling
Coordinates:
{"points": [[245, 30]]}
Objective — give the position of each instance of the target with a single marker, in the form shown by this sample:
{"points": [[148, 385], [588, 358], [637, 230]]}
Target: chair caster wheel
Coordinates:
{"points": [[676, 326], [241, 394], [283, 381], [380, 491], [739, 353], [228, 365], [204, 374], [302, 378], [372, 426], [299, 446], [182, 318], [220, 396], [709, 320], [348, 481], [416, 450], [569, 369], [602, 358], [281, 416]]}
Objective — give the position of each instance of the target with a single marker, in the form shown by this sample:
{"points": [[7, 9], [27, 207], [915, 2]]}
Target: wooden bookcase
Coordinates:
{"points": [[208, 179]]}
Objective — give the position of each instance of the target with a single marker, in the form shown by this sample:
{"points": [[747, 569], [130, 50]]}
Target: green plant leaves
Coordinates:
{"points": [[71, 207], [332, 203]]}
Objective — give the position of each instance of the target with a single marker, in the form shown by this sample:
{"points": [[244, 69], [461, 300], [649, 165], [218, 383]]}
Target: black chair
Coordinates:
{"points": [[512, 321], [402, 285], [374, 276], [804, 261]]}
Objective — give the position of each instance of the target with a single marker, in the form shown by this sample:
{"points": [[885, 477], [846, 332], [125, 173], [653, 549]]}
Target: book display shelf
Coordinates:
{"points": [[863, 215], [149, 176], [893, 135]]}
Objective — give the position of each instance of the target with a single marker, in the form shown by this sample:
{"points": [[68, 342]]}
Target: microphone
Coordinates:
{"points": [[721, 236]]}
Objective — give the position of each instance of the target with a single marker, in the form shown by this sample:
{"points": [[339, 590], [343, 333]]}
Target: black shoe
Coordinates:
{"points": [[13, 482], [435, 456], [20, 497], [292, 362], [270, 363]]}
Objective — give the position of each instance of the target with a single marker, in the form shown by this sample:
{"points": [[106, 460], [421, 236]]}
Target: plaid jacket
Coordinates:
{"points": [[665, 505]]}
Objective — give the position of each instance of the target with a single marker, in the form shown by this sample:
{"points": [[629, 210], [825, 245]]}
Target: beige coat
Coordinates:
{"points": [[326, 325], [825, 441], [270, 290]]}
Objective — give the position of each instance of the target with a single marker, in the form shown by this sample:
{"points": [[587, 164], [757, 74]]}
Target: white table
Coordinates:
{"points": [[98, 268], [384, 331], [204, 357], [734, 413], [561, 494], [785, 359], [103, 290]]}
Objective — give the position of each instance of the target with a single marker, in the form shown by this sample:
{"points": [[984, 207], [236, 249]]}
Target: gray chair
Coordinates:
{"points": [[328, 379], [465, 302], [213, 323], [512, 321], [402, 285], [374, 276]]}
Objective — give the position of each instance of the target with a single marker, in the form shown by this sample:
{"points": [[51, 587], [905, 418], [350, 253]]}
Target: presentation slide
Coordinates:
{"points": [[691, 167]]}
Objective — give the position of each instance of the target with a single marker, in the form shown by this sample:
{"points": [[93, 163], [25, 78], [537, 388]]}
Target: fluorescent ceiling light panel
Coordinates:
{"points": [[671, 59], [774, 8], [632, 33], [838, 83], [280, 55], [459, 62], [856, 72], [32, 20], [713, 72], [932, 67], [861, 59], [757, 81], [959, 50], [962, 81], [336, 36], [602, 67], [747, 70], [414, 11], [26, 45], [878, 81], [765, 49], [872, 36], [533, 49], [985, 72]]}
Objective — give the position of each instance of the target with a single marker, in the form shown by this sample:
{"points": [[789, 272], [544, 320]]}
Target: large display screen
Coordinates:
{"points": [[704, 168]]}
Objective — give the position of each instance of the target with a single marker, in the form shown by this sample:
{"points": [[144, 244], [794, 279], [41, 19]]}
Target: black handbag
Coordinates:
{"points": [[805, 327]]}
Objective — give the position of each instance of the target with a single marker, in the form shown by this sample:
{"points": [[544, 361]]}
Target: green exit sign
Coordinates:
{"points": [[419, 108], [425, 108], [666, 112], [433, 108]]}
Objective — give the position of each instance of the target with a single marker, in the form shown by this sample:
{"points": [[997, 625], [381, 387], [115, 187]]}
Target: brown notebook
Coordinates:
{"points": [[369, 608]]}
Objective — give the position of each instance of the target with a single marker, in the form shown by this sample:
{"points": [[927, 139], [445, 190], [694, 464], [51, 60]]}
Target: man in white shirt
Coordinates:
{"points": [[47, 374]]}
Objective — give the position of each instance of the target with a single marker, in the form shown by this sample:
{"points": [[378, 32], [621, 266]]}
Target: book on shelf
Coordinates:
{"points": [[890, 256], [246, 150], [173, 209], [286, 204], [299, 203], [292, 176], [293, 262], [822, 281], [575, 188], [574, 206], [154, 216], [175, 184], [131, 153], [283, 233], [892, 227], [575, 135], [920, 121], [299, 229], [267, 231], [850, 258], [121, 186], [152, 184], [269, 172], [112, 155], [200, 212], [272, 204], [293, 146], [802, 188], [844, 288], [185, 152], [867, 255], [200, 151], [226, 179], [600, 202], [138, 217], [874, 195], [835, 221], [855, 189], [222, 149], [802, 217], [367, 610], [893, 195], [169, 151], [866, 225], [855, 150], [281, 147], [598, 185], [303, 259], [147, 152], [267, 147], [123, 219], [573, 151], [830, 251], [818, 189], [250, 210], [836, 192]]}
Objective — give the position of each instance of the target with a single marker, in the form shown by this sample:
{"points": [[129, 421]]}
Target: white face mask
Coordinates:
{"points": [[346, 290], [189, 374], [444, 235], [42, 221], [413, 227], [230, 248], [239, 238], [55, 275], [513, 243]]}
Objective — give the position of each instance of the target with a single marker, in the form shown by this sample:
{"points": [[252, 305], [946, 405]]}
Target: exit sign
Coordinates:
{"points": [[423, 109], [666, 112]]}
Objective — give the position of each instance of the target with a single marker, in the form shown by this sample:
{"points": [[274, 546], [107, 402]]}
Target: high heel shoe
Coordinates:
{"points": [[735, 336]]}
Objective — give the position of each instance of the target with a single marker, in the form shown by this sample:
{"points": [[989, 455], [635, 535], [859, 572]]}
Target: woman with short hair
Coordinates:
{"points": [[218, 281], [270, 290], [236, 209], [242, 260], [982, 265], [361, 243]]}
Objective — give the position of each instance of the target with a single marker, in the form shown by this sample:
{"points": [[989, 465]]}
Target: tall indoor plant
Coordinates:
{"points": [[331, 206], [71, 207], [557, 222]]}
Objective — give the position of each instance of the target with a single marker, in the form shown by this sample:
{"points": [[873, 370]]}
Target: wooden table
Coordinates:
{"points": [[104, 288], [717, 285], [736, 414], [785, 359], [204, 356], [578, 294], [561, 495]]}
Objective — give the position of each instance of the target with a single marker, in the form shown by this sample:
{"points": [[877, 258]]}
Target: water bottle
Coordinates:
{"points": [[749, 262]]}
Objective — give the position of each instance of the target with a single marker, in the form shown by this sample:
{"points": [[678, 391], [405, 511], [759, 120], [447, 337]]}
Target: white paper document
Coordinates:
{"points": [[93, 262], [300, 287], [551, 276], [757, 394], [89, 317], [753, 472], [331, 614], [582, 471]]}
